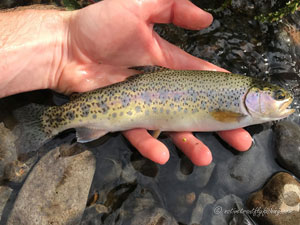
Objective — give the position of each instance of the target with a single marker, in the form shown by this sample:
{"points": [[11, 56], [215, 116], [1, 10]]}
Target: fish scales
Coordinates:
{"points": [[160, 99], [163, 100]]}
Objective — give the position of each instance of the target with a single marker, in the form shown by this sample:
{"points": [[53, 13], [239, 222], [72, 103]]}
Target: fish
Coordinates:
{"points": [[158, 99]]}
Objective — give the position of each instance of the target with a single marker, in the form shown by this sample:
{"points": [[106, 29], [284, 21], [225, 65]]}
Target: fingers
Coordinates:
{"points": [[189, 16], [239, 139], [193, 148], [173, 57], [182, 13], [148, 146]]}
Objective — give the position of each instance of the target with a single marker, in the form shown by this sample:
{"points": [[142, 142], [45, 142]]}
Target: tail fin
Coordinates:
{"points": [[29, 132]]}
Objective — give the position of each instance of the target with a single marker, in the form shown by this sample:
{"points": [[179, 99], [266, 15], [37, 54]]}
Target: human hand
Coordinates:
{"points": [[118, 33], [94, 46]]}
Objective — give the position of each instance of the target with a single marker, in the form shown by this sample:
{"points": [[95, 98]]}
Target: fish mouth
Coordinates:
{"points": [[285, 109]]}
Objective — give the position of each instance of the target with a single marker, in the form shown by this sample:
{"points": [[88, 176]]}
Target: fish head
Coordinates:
{"points": [[268, 102]]}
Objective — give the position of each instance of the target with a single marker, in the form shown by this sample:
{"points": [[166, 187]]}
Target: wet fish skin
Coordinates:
{"points": [[166, 100]]}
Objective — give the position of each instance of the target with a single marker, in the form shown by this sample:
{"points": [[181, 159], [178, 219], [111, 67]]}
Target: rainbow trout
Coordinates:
{"points": [[159, 99]]}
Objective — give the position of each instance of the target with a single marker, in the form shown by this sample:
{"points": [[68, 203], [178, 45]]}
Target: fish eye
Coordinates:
{"points": [[279, 95]]}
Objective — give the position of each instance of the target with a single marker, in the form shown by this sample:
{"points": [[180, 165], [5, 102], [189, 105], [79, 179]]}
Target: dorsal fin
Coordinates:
{"points": [[75, 95], [149, 69]]}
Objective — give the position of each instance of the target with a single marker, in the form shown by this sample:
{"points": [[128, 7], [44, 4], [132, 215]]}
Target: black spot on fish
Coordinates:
{"points": [[70, 115], [85, 110]]}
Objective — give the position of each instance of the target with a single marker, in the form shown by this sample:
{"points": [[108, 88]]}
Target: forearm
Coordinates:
{"points": [[33, 47]]}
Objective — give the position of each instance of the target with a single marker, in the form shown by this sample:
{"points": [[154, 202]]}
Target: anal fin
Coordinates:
{"points": [[156, 133], [85, 134]]}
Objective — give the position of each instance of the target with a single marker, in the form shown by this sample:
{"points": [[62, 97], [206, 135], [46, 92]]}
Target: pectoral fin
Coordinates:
{"points": [[227, 116], [85, 134]]}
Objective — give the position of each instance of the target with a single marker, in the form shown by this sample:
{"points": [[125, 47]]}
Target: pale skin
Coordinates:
{"points": [[90, 48]]}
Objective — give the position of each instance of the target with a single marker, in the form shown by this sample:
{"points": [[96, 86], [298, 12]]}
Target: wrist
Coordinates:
{"points": [[33, 46]]}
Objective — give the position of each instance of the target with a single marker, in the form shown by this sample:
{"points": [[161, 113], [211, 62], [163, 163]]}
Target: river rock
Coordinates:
{"points": [[203, 200], [8, 152], [11, 169], [200, 173], [248, 170], [142, 208], [4, 196], [288, 145], [56, 190], [278, 202], [227, 210]]}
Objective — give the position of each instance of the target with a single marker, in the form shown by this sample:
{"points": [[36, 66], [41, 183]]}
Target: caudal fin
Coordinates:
{"points": [[29, 131]]}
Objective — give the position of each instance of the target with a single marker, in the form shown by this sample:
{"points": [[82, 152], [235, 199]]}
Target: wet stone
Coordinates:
{"points": [[227, 210], [141, 208], [156, 216], [11, 169], [188, 173], [278, 201], [8, 151], [56, 190], [248, 170], [287, 136], [203, 200], [17, 170], [4, 196], [143, 165]]}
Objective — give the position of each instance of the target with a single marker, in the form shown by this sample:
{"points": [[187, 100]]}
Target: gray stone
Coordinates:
{"points": [[278, 202], [141, 208], [8, 152], [16, 170], [129, 174], [156, 216], [4, 196], [11, 168], [56, 190], [203, 200], [248, 170], [228, 210], [288, 145], [201, 174]]}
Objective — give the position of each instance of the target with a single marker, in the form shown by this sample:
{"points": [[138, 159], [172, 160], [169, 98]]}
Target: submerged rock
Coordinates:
{"points": [[227, 210], [4, 196], [8, 152], [141, 208], [278, 202], [203, 200], [11, 169], [288, 145], [201, 174], [248, 170], [56, 190]]}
